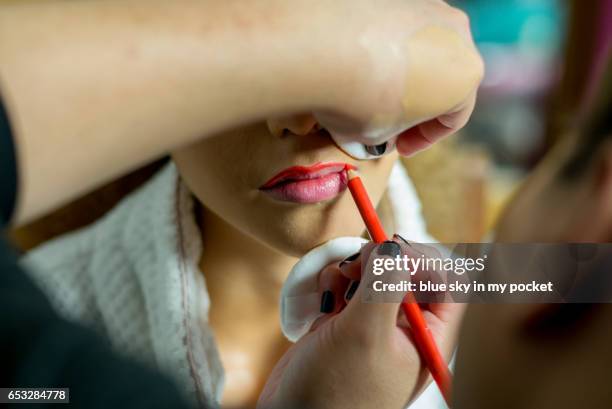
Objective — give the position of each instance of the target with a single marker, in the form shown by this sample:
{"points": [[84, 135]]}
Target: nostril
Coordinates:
{"points": [[301, 124]]}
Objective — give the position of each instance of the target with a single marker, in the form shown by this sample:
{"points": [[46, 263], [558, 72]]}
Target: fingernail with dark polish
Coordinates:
{"points": [[389, 248], [401, 238], [350, 258], [327, 302], [350, 292]]}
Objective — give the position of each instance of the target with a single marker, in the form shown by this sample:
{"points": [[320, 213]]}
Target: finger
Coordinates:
{"points": [[350, 267], [374, 316], [444, 321], [443, 318], [332, 285], [424, 135], [351, 290], [415, 249], [458, 118], [435, 130], [411, 141], [426, 275]]}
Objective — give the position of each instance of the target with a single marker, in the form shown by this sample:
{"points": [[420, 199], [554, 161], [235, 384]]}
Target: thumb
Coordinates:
{"points": [[375, 307]]}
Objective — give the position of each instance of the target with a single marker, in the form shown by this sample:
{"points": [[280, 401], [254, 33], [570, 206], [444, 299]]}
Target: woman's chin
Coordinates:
{"points": [[297, 230], [299, 246], [297, 243]]}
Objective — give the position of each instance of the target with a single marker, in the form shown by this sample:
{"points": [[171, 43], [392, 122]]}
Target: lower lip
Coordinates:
{"points": [[310, 190]]}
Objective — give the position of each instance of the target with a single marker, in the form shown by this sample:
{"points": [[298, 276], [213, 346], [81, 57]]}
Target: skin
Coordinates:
{"points": [[366, 346], [153, 76], [428, 45], [561, 367], [581, 208], [100, 82], [224, 173]]}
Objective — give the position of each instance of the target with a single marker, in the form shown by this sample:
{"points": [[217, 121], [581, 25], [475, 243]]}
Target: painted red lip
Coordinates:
{"points": [[308, 184]]}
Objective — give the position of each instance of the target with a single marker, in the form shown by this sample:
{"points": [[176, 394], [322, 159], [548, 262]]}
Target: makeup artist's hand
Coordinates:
{"points": [[366, 68], [415, 72], [359, 355]]}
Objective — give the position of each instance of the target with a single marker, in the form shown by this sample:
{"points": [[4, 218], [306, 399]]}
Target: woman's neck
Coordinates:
{"points": [[244, 278], [237, 265]]}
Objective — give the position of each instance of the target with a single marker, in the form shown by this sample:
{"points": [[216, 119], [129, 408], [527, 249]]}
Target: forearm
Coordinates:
{"points": [[95, 88]]}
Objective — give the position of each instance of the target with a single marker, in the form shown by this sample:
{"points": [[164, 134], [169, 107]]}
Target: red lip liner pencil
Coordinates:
{"points": [[423, 339]]}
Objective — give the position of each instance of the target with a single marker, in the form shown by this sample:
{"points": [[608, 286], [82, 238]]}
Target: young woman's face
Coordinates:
{"points": [[282, 182]]}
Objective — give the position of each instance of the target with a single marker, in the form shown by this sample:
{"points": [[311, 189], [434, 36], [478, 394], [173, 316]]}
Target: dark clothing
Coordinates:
{"points": [[40, 349]]}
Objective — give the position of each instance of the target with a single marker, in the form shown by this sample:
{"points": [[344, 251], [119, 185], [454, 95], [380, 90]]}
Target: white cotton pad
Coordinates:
{"points": [[300, 301], [354, 142], [358, 150]]}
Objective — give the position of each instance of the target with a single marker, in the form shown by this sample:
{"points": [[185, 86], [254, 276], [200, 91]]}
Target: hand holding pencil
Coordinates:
{"points": [[423, 338], [358, 347]]}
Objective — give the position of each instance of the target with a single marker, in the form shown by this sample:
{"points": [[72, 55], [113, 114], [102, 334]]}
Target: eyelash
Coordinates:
{"points": [[365, 152]]}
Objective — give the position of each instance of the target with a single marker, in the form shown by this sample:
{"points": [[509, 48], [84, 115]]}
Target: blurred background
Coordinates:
{"points": [[541, 57]]}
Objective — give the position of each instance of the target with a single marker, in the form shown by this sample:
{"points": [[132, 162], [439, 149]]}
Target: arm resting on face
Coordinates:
{"points": [[95, 88]]}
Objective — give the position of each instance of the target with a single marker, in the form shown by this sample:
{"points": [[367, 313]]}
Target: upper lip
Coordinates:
{"points": [[306, 172]]}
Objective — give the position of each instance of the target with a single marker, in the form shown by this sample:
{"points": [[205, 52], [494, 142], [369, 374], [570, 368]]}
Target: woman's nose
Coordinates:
{"points": [[302, 124]]}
